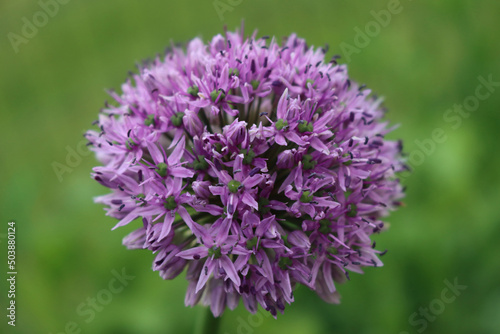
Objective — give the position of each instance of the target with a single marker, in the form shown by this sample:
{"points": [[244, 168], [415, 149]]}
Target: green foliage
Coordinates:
{"points": [[425, 60]]}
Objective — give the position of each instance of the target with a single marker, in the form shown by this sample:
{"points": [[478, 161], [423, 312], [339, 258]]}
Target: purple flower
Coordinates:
{"points": [[253, 166]]}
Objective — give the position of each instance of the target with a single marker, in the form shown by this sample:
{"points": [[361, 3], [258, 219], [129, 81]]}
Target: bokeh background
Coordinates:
{"points": [[424, 61]]}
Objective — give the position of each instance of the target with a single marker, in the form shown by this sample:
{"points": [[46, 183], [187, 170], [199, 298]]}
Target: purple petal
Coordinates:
{"points": [[206, 271], [191, 253], [167, 225], [228, 267], [250, 201], [177, 153]]}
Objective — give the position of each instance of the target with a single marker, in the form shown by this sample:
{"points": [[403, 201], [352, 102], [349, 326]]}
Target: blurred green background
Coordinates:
{"points": [[424, 61]]}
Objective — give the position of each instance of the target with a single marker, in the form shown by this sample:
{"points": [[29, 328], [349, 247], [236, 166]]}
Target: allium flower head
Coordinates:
{"points": [[253, 165]]}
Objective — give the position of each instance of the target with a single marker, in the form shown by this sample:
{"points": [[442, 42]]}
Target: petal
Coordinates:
{"points": [[290, 178], [222, 175], [177, 153], [155, 153], [222, 231], [282, 105], [224, 78], [136, 239], [327, 275], [192, 298], [317, 144], [264, 226], [300, 239], [232, 203], [167, 225], [279, 139], [178, 135], [217, 298], [181, 172], [127, 219], [189, 254], [324, 119], [250, 201], [241, 261], [265, 266], [212, 209], [249, 219], [217, 191], [206, 271], [324, 201], [252, 181], [230, 270], [198, 230], [341, 177], [238, 166], [292, 136]]}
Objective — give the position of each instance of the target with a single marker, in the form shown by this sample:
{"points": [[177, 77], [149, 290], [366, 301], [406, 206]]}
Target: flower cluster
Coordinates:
{"points": [[251, 164]]}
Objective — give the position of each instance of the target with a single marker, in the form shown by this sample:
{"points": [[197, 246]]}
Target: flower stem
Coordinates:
{"points": [[207, 323]]}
